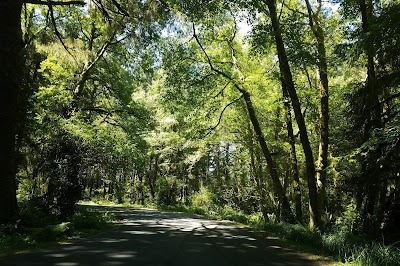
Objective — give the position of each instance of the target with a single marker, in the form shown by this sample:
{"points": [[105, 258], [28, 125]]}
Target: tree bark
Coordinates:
{"points": [[373, 185], [293, 158], [316, 28], [10, 50], [257, 173], [276, 184], [287, 76]]}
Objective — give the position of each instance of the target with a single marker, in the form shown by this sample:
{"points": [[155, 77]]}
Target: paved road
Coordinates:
{"points": [[153, 238]]}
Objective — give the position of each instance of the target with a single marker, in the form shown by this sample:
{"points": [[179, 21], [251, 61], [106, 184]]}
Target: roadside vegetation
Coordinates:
{"points": [[336, 244], [38, 229]]}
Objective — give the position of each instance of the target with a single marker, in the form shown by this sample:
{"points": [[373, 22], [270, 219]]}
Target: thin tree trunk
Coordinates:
{"points": [[287, 76], [293, 157], [257, 173], [152, 175], [10, 50], [380, 213], [226, 162], [104, 189], [91, 184], [276, 184], [141, 189]]}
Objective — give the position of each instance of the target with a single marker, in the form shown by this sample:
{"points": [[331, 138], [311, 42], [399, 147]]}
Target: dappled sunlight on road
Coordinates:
{"points": [[148, 237]]}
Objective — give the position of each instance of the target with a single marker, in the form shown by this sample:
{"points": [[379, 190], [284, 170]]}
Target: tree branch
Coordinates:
{"points": [[85, 73], [396, 95], [102, 110], [120, 9], [58, 34], [198, 81], [116, 124], [222, 113], [221, 92], [202, 48], [208, 58], [54, 3]]}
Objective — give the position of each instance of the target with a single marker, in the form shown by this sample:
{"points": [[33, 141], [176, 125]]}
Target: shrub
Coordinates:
{"points": [[35, 213], [62, 168], [85, 219], [229, 213], [203, 200]]}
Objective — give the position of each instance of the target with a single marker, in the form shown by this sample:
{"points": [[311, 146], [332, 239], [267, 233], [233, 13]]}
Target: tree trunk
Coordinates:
{"points": [[142, 198], [276, 184], [226, 162], [287, 76], [257, 173], [372, 184], [152, 175], [10, 51], [91, 184], [380, 213], [293, 157], [316, 28]]}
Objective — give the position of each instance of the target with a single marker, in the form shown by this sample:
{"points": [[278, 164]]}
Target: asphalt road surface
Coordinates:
{"points": [[154, 238]]}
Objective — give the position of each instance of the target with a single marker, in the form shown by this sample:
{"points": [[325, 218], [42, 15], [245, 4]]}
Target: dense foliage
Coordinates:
{"points": [[286, 111]]}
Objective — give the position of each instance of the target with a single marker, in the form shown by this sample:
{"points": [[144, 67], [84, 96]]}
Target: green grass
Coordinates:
{"points": [[15, 238]]}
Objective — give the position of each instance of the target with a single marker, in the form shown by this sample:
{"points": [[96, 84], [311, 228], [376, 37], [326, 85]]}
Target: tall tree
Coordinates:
{"points": [[277, 186], [113, 12], [316, 25], [293, 157], [10, 61], [288, 79], [11, 69]]}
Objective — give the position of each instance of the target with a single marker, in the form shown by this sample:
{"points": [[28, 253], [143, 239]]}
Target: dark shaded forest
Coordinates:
{"points": [[284, 112]]}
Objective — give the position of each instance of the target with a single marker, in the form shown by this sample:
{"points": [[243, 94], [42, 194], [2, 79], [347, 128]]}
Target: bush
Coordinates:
{"points": [[62, 168], [35, 213], [229, 213], [203, 201]]}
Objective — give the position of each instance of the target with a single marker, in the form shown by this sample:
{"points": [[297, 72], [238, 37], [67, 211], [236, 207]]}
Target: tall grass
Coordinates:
{"points": [[344, 247]]}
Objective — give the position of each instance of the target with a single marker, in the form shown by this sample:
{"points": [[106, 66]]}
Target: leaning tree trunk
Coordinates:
{"points": [[257, 172], [276, 184], [10, 50], [287, 76], [293, 157]]}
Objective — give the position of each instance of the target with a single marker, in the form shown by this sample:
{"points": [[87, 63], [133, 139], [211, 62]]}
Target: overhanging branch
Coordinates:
{"points": [[54, 3], [57, 32]]}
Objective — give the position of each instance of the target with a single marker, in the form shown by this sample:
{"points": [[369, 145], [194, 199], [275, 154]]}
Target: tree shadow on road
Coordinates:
{"points": [[148, 237]]}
